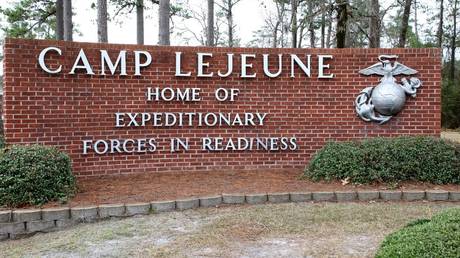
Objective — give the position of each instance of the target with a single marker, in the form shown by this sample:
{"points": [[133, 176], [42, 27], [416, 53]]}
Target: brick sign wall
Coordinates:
{"points": [[109, 125]]}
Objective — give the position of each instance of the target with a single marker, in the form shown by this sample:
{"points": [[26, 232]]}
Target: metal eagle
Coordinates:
{"points": [[380, 103]]}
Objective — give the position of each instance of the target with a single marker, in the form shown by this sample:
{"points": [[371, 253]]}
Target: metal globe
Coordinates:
{"points": [[388, 98]]}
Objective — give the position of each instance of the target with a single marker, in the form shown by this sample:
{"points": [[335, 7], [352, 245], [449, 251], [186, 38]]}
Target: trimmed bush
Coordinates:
{"points": [[438, 237], [34, 175], [2, 142], [388, 160]]}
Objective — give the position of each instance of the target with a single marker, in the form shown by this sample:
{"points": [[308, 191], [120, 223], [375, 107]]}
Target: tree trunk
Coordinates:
{"points": [[163, 14], [342, 20], [299, 43], [453, 43], [210, 22], [311, 24], [68, 25], [294, 23], [349, 42], [440, 32], [140, 21], [59, 20], [323, 29], [311, 30], [230, 22], [404, 24], [415, 21], [329, 30], [374, 24], [102, 20], [275, 35]]}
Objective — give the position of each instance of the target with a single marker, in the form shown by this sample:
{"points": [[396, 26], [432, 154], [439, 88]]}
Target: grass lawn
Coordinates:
{"points": [[272, 230]]}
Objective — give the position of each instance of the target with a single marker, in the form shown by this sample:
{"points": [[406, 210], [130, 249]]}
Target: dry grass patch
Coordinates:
{"points": [[451, 135]]}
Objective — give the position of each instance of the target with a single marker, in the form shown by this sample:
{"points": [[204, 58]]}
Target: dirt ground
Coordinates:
{"points": [[272, 230], [168, 186]]}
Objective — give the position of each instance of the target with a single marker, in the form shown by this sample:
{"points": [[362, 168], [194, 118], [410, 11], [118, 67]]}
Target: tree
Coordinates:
{"points": [[281, 24], [329, 27], [440, 33], [163, 24], [140, 21], [311, 23], [196, 25], [323, 29], [374, 24], [124, 7], [210, 24], [226, 7], [59, 20], [404, 23], [68, 25], [342, 22], [102, 21], [30, 19], [294, 23], [416, 21], [274, 31], [453, 42]]}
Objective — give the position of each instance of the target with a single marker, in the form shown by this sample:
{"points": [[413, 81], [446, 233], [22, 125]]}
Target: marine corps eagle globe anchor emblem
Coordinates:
{"points": [[380, 103]]}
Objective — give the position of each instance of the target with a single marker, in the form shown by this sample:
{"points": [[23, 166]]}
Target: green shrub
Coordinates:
{"points": [[439, 237], [450, 104], [34, 175], [2, 142], [389, 160]]}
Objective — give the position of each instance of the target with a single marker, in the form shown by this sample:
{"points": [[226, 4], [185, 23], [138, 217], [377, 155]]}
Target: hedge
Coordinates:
{"points": [[438, 237], [388, 160], [34, 175]]}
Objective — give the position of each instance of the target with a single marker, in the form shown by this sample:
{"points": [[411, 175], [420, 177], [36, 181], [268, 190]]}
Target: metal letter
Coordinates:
{"points": [[119, 119], [201, 65], [137, 61], [86, 146], [106, 147], [266, 65], [178, 66], [229, 66], [245, 65], [41, 59], [105, 59], [81, 56], [321, 66], [296, 60]]}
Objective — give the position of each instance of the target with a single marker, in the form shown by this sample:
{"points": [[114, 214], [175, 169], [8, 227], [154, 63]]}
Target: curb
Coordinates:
{"points": [[25, 222]]}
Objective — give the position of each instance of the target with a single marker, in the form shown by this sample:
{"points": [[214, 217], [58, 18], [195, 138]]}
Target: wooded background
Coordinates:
{"points": [[287, 23]]}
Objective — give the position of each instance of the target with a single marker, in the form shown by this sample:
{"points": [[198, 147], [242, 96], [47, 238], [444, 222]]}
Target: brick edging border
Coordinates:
{"points": [[25, 222]]}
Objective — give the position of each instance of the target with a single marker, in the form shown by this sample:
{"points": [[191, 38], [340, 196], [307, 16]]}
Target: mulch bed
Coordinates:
{"points": [[169, 186]]}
